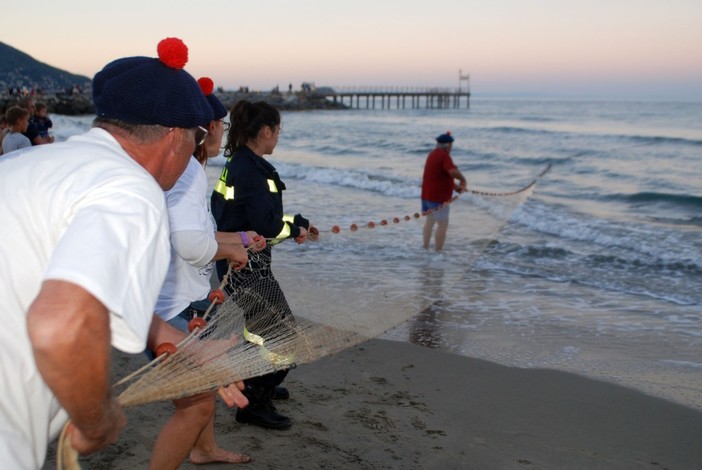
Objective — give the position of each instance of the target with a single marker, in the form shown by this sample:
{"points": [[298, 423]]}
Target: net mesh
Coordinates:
{"points": [[350, 285]]}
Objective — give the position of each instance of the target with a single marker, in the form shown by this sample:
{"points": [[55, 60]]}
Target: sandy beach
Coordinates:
{"points": [[394, 405]]}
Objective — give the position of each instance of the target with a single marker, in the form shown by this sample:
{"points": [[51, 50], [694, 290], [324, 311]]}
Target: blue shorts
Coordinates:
{"points": [[435, 209]]}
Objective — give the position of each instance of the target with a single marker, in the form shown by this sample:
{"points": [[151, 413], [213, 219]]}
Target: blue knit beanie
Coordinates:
{"points": [[145, 90], [207, 87], [445, 138]]}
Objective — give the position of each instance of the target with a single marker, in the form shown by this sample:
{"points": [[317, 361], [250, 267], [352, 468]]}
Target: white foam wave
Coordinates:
{"points": [[353, 178], [652, 242]]}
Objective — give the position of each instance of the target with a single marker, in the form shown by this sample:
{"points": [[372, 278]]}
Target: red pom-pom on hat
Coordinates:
{"points": [[173, 52], [206, 85]]}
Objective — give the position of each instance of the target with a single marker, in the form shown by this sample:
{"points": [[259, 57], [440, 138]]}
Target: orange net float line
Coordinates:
{"points": [[335, 229]]}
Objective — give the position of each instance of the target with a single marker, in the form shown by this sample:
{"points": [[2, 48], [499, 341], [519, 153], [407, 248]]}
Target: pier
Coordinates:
{"points": [[397, 97]]}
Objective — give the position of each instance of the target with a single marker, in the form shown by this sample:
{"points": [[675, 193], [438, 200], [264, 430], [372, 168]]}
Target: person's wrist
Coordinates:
{"points": [[244, 239]]}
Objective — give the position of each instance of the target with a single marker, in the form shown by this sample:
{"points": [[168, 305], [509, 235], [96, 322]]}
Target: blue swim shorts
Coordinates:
{"points": [[435, 209]]}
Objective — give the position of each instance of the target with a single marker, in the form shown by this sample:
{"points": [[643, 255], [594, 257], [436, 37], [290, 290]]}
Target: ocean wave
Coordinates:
{"points": [[387, 184], [682, 200], [631, 139], [673, 282], [645, 140], [518, 130], [535, 254], [643, 241]]}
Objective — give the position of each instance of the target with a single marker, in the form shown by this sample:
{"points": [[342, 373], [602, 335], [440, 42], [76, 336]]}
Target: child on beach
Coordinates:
{"points": [[17, 120], [42, 121], [32, 132]]}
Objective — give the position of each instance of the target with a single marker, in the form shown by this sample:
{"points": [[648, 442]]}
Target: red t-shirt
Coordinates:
{"points": [[437, 183]]}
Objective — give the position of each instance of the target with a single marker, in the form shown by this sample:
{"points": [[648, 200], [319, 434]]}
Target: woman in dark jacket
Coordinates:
{"points": [[249, 197]]}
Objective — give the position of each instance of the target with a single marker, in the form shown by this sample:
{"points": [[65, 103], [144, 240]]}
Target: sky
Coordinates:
{"points": [[614, 49]]}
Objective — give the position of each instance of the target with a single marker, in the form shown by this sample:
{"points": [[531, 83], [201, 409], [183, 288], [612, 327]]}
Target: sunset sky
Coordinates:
{"points": [[628, 49]]}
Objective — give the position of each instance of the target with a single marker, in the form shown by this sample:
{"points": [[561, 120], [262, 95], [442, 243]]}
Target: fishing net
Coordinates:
{"points": [[350, 285], [354, 282]]}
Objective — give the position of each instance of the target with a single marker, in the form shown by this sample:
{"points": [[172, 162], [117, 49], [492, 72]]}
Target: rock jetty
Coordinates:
{"points": [[80, 104]]}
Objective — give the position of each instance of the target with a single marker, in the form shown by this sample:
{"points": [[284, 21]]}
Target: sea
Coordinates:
{"points": [[597, 272]]}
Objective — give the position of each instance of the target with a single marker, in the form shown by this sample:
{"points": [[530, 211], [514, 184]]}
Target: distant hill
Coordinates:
{"points": [[18, 70], [54, 86]]}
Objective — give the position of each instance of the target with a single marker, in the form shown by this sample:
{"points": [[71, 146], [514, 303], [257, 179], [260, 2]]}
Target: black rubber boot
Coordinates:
{"points": [[280, 393], [261, 411]]}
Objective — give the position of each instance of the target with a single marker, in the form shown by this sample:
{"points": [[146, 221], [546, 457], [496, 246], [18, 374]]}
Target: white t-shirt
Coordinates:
{"points": [[85, 212], [187, 211], [15, 141]]}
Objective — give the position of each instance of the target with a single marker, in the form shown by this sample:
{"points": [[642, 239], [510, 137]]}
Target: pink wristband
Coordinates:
{"points": [[244, 239]]}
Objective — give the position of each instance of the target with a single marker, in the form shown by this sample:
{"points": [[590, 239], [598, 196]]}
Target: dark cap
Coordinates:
{"points": [[145, 90], [445, 138]]}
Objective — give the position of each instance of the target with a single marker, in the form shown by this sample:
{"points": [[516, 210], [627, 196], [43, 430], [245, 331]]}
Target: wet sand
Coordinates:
{"points": [[393, 405]]}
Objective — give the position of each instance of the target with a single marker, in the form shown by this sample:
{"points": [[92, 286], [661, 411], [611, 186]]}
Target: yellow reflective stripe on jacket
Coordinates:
{"points": [[221, 187], [226, 191], [272, 187], [284, 234]]}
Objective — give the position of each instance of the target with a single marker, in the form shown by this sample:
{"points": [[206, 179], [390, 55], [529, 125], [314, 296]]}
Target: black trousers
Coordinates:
{"points": [[259, 390]]}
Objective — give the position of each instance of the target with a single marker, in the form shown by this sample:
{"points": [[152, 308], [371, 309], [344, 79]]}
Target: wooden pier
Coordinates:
{"points": [[399, 98]]}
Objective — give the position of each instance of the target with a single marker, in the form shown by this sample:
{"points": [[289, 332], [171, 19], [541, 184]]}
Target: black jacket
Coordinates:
{"points": [[249, 196]]}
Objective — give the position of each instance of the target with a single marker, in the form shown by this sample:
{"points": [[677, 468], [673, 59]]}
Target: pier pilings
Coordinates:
{"points": [[401, 98]]}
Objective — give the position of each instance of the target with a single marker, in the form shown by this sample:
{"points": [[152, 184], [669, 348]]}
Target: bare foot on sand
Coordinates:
{"points": [[199, 457]]}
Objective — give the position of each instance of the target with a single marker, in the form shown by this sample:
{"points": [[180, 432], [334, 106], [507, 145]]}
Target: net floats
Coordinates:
{"points": [[165, 348], [216, 296], [372, 224], [196, 322]]}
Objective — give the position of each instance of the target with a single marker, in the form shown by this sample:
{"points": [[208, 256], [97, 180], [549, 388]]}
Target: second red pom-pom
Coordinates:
{"points": [[206, 85]]}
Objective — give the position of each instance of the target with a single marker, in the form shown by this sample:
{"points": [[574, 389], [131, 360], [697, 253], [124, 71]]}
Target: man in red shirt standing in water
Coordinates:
{"points": [[438, 184]]}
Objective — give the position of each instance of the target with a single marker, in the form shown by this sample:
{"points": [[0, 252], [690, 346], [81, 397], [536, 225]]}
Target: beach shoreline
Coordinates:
{"points": [[388, 404]]}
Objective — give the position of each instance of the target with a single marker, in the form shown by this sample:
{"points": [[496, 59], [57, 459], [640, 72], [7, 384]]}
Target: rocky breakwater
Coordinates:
{"points": [[284, 101], [81, 104], [58, 103]]}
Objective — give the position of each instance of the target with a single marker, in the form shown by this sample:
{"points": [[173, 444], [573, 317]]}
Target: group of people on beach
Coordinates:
{"points": [[93, 248], [24, 125], [93, 256]]}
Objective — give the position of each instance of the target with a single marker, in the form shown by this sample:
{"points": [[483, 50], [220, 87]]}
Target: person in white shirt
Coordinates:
{"points": [[196, 245], [84, 251]]}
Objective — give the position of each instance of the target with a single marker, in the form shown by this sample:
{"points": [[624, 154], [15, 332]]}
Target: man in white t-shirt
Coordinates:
{"points": [[84, 251]]}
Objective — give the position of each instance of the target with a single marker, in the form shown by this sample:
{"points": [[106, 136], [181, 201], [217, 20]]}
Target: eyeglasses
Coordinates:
{"points": [[225, 125], [200, 135]]}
